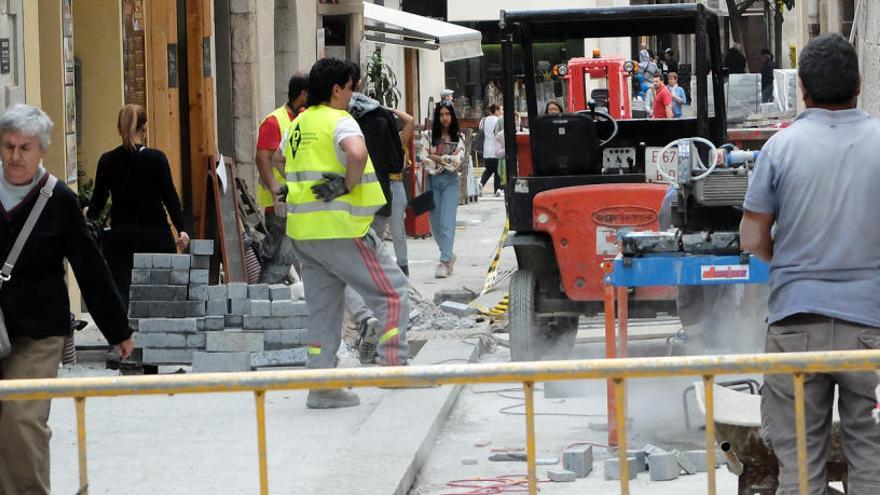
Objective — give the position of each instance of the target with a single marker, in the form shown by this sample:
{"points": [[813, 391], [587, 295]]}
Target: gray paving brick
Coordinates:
{"points": [[458, 309], [234, 321], [142, 261], [258, 292], [180, 262], [213, 362], [198, 277], [201, 246], [198, 292], [160, 340], [279, 292], [200, 324], [162, 261], [240, 306], [273, 322], [561, 475], [237, 290], [229, 341], [196, 341], [217, 308], [300, 308], [168, 356], [214, 323], [157, 293], [160, 277], [663, 467], [283, 308], [612, 468], [217, 292], [283, 357], [140, 277], [166, 309], [199, 262], [167, 325], [281, 339], [578, 460], [261, 307], [179, 277]]}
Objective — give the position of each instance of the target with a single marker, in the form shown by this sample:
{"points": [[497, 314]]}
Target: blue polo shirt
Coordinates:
{"points": [[819, 179]]}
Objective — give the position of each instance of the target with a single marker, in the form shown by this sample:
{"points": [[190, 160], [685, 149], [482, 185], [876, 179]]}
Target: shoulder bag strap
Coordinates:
{"points": [[45, 194]]}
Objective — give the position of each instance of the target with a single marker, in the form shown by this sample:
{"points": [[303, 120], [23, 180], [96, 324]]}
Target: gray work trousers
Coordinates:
{"points": [[277, 251], [398, 213], [24, 429], [364, 265], [860, 435]]}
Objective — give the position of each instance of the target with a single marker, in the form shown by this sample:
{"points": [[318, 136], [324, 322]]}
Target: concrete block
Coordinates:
{"points": [[196, 340], [282, 357], [697, 459], [237, 290], [641, 458], [229, 341], [212, 362], [261, 307], [217, 292], [612, 468], [217, 308], [663, 467], [180, 261], [156, 293], [258, 291], [160, 340], [455, 295], [198, 292], [162, 261], [200, 324], [160, 277], [168, 356], [214, 323], [578, 460], [201, 246], [166, 309], [300, 309], [142, 261], [140, 277], [199, 262], [273, 322], [167, 325], [687, 463], [240, 306], [198, 277], [561, 475], [233, 321], [179, 277], [279, 292], [458, 309], [284, 308]]}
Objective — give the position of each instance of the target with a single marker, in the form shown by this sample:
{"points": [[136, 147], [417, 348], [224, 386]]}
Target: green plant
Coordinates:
{"points": [[380, 82]]}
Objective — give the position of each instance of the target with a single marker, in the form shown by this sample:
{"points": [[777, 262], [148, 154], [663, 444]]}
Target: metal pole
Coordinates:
{"points": [[709, 396], [260, 396], [620, 395], [529, 391], [801, 428], [81, 443], [855, 24], [610, 352]]}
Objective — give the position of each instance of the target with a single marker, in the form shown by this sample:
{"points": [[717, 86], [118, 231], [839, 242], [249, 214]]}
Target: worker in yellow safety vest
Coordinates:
{"points": [[277, 249], [332, 196]]}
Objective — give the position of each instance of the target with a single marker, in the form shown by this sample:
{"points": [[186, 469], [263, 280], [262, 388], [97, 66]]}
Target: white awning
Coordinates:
{"points": [[402, 28]]}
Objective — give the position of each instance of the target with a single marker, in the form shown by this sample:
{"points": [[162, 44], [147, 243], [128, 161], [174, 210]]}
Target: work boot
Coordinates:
{"points": [[369, 330], [331, 399], [404, 269]]}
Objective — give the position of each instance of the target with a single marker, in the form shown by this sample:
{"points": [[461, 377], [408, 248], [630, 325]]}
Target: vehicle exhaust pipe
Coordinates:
{"points": [[734, 465]]}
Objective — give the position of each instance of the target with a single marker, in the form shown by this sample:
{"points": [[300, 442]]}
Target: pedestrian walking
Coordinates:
{"points": [[138, 181], [552, 107], [34, 297], [333, 194], [662, 99], [277, 248], [490, 155], [443, 155], [679, 97], [824, 265]]}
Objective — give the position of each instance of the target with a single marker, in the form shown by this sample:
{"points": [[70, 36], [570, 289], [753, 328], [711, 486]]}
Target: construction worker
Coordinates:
{"points": [[333, 195], [277, 250], [824, 265]]}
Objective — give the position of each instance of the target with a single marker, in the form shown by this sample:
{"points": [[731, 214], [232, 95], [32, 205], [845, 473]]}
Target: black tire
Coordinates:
{"points": [[533, 338]]}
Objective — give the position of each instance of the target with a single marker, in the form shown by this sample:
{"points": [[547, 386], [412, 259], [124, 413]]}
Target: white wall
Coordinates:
{"points": [[487, 10], [869, 53], [432, 80]]}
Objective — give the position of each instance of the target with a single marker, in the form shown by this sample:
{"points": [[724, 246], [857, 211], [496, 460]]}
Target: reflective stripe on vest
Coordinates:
{"points": [[264, 196], [310, 153]]}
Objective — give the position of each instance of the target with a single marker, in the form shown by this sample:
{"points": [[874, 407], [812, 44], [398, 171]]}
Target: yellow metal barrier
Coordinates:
{"points": [[615, 370]]}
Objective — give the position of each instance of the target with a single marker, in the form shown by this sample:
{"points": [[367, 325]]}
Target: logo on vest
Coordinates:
{"points": [[295, 139]]}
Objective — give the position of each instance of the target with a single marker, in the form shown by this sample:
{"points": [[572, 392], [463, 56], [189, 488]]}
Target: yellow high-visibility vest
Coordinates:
{"points": [[264, 196], [309, 152]]}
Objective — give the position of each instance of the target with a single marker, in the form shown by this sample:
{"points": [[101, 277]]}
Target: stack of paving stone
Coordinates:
{"points": [[180, 319]]}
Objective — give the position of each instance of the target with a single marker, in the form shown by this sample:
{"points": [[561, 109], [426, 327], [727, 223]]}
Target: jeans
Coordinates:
{"points": [[446, 191]]}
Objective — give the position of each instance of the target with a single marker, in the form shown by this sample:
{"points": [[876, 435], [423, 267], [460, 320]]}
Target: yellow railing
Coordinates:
{"points": [[615, 370]]}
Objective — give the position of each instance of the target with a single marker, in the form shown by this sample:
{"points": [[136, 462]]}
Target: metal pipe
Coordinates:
{"points": [[800, 421], [620, 397], [734, 465], [260, 397], [529, 390], [80, 403], [709, 396], [610, 352], [855, 24]]}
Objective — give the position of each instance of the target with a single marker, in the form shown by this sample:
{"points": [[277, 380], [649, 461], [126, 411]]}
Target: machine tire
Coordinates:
{"points": [[529, 335]]}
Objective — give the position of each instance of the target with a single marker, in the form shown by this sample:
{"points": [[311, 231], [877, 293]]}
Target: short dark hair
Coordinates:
{"points": [[298, 83], [355, 74], [326, 73], [491, 109], [829, 69]]}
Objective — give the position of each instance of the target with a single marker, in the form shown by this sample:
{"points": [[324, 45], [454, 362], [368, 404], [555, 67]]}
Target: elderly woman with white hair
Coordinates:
{"points": [[34, 298]]}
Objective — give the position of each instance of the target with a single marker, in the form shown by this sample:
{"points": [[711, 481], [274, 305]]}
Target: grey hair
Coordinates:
{"points": [[28, 120]]}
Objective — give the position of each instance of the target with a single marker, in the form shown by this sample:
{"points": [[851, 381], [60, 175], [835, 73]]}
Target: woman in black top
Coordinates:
{"points": [[138, 179]]}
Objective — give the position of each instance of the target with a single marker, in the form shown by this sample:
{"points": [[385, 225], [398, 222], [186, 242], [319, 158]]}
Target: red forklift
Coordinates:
{"points": [[605, 80], [578, 180]]}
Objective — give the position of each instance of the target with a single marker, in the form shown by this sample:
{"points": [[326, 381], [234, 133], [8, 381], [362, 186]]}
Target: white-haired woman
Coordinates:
{"points": [[34, 300]]}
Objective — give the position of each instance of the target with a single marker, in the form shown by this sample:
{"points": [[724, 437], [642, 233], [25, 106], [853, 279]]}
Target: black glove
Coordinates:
{"points": [[281, 193], [331, 189]]}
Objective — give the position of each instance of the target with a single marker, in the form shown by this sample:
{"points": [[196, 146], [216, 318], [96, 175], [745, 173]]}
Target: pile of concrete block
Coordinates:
{"points": [[181, 319]]}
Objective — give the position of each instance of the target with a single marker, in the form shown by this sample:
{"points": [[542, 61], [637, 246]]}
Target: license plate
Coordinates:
{"points": [[653, 160]]}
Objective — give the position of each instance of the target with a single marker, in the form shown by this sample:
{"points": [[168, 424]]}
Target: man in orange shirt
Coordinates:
{"points": [[662, 99]]}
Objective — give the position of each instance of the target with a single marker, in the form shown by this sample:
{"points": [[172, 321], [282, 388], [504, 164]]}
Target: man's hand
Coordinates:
{"points": [[182, 240], [124, 348], [330, 189]]}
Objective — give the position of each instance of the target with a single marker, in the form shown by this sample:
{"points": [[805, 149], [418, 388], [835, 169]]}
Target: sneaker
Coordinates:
{"points": [[404, 269], [442, 270], [369, 330], [498, 193], [331, 399]]}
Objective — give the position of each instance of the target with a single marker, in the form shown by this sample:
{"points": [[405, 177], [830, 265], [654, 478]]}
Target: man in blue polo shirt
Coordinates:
{"points": [[818, 181]]}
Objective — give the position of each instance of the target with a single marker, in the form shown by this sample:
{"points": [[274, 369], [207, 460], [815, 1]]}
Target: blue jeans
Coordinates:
{"points": [[446, 191]]}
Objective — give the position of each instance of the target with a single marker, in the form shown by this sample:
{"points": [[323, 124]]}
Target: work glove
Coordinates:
{"points": [[280, 201], [331, 189]]}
